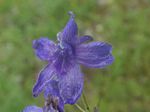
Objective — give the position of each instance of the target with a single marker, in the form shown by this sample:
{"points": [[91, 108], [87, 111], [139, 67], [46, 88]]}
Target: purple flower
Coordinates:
{"points": [[62, 76]]}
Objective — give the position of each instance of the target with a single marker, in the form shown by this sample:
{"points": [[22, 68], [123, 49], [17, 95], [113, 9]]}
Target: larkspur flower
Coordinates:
{"points": [[62, 76]]}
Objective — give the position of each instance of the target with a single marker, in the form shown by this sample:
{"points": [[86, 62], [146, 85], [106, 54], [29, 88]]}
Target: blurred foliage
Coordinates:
{"points": [[122, 87]]}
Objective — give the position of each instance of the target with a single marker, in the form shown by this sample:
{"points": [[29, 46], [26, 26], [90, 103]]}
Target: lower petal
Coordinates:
{"points": [[71, 85], [51, 89], [45, 76]]}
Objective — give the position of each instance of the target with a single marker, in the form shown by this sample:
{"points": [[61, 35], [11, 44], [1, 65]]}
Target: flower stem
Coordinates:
{"points": [[79, 108], [85, 102]]}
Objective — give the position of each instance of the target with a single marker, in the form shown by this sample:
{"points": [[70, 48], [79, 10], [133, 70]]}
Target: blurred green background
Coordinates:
{"points": [[122, 87]]}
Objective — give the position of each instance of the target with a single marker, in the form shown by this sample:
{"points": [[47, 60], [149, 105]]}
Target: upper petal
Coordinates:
{"points": [[85, 38], [33, 109], [70, 31], [94, 54], [71, 85], [45, 76], [44, 48]]}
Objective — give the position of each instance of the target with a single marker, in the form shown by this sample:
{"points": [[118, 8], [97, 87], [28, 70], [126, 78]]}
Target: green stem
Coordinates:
{"points": [[79, 108], [85, 102]]}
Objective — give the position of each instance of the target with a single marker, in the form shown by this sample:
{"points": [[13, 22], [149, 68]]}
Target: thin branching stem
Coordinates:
{"points": [[79, 108], [85, 102]]}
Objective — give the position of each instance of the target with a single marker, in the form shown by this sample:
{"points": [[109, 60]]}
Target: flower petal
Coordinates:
{"points": [[33, 109], [94, 54], [63, 59], [51, 89], [71, 85], [70, 31], [85, 38], [44, 48], [46, 75]]}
